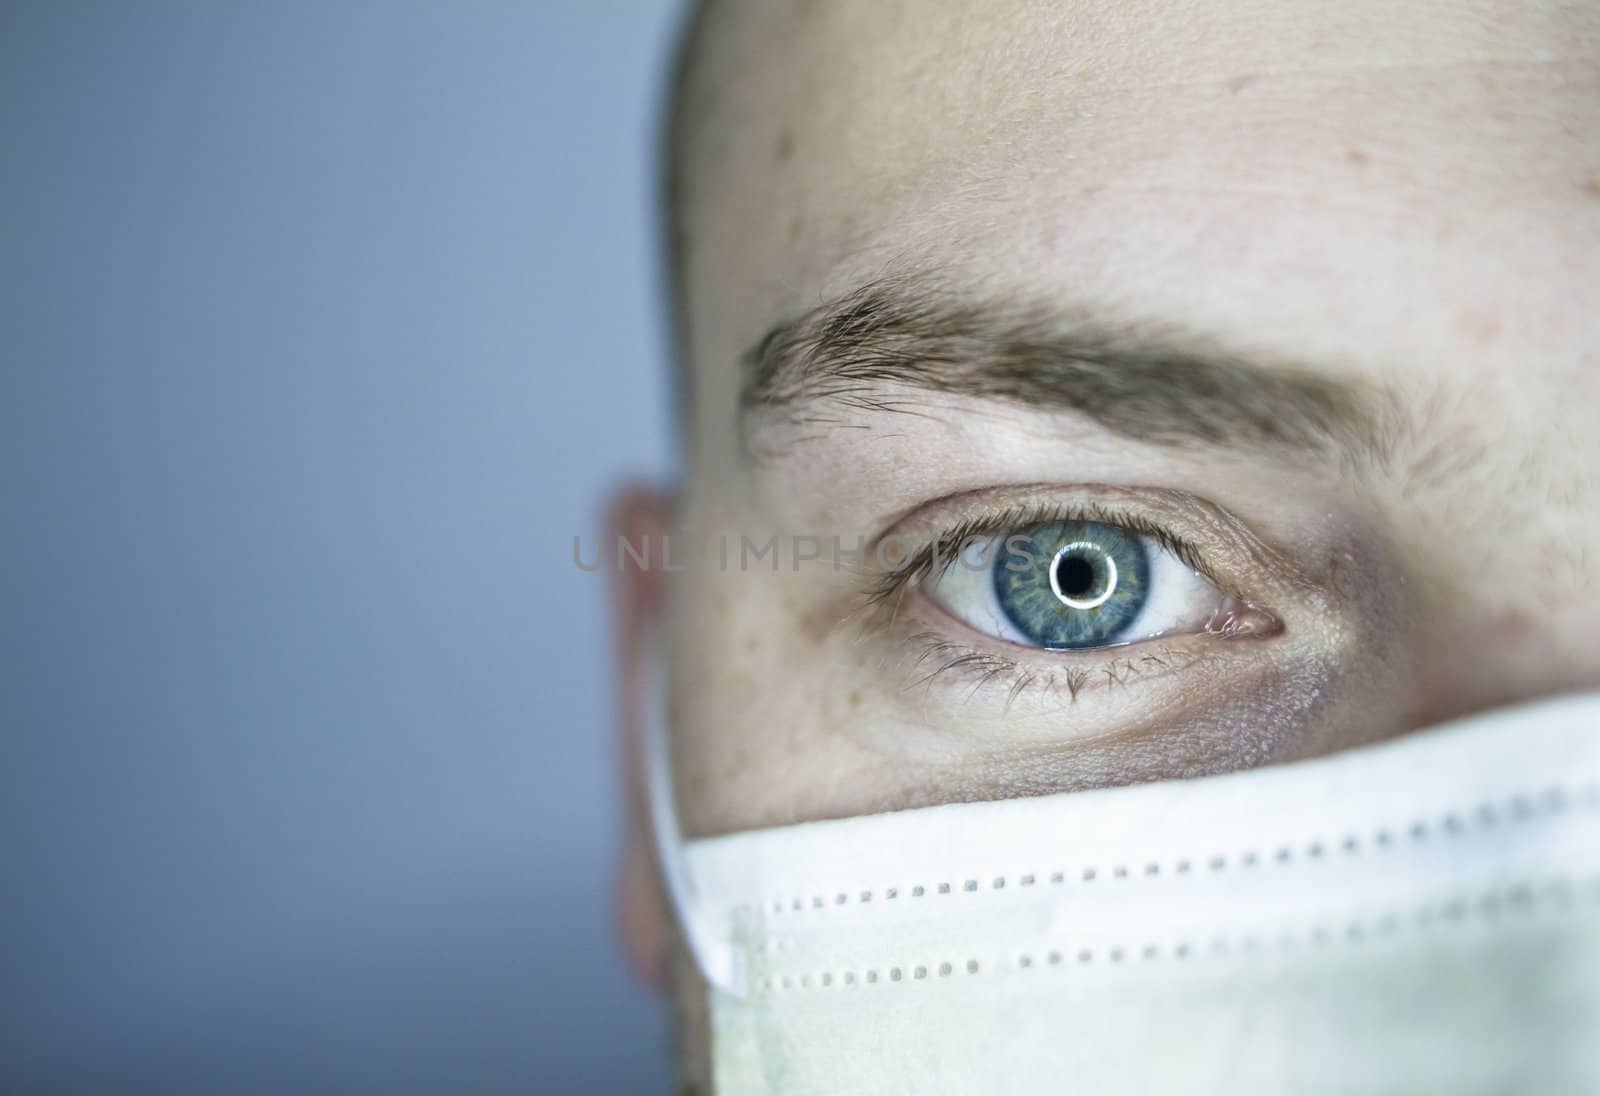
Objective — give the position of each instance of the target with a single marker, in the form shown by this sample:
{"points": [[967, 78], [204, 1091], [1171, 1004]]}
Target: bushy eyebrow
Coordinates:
{"points": [[1164, 387]]}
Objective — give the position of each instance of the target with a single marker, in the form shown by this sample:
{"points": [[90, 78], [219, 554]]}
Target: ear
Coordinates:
{"points": [[641, 515]]}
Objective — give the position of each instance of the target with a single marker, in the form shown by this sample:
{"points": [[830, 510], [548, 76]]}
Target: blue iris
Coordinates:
{"points": [[1070, 584]]}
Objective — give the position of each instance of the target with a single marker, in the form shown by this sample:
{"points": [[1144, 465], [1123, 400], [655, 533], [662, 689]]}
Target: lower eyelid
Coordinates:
{"points": [[939, 659]]}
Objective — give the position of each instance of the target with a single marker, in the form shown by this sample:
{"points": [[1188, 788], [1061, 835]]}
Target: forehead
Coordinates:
{"points": [[1399, 188]]}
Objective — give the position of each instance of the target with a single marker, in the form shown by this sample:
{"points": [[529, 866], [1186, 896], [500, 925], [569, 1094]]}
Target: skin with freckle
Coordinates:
{"points": [[1404, 198]]}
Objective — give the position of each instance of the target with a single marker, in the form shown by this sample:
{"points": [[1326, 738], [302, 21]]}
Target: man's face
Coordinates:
{"points": [[1288, 307], [1287, 312], [1301, 298]]}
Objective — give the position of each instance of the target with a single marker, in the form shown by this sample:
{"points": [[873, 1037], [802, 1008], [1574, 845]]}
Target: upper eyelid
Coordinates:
{"points": [[920, 566]]}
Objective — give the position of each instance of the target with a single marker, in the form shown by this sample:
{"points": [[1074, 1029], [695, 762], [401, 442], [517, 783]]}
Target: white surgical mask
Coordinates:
{"points": [[1416, 917]]}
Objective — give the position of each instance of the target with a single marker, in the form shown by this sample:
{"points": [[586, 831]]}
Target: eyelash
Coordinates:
{"points": [[988, 667], [930, 562]]}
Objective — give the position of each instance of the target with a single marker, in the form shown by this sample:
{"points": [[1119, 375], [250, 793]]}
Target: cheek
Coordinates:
{"points": [[1295, 711], [752, 705], [1473, 659], [773, 691]]}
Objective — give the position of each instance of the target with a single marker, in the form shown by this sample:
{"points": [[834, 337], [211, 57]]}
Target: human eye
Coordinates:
{"points": [[1075, 584], [1034, 590]]}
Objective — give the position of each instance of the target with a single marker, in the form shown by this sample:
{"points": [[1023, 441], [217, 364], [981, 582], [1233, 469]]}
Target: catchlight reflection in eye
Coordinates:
{"points": [[1072, 585]]}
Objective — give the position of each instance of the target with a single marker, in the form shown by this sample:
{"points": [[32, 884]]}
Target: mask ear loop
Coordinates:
{"points": [[713, 954]]}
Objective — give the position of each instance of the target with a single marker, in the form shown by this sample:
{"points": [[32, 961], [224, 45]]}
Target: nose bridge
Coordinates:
{"points": [[1502, 566], [1538, 650]]}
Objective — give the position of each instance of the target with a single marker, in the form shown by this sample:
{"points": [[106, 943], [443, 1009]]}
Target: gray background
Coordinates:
{"points": [[323, 328]]}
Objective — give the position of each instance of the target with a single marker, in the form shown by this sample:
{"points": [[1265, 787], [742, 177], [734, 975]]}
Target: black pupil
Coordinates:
{"points": [[1074, 575]]}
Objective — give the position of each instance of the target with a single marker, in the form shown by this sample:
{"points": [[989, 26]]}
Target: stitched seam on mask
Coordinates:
{"points": [[1521, 899], [1454, 825]]}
